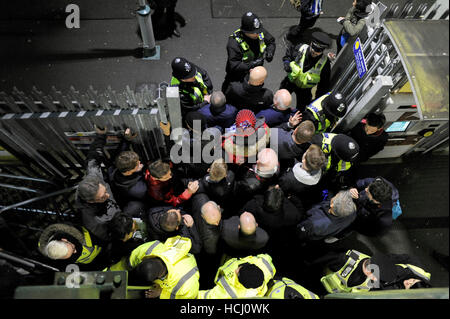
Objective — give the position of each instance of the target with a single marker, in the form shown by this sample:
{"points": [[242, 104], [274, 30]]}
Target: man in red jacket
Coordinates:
{"points": [[160, 184]]}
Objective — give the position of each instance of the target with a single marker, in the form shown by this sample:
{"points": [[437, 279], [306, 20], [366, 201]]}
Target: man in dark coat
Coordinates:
{"points": [[218, 184], [165, 222], [127, 178], [374, 198], [247, 48], [250, 94], [370, 136], [255, 180], [241, 236], [303, 178]]}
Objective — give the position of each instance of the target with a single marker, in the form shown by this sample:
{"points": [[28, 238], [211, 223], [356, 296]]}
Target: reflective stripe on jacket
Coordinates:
{"points": [[248, 55], [228, 285], [326, 148], [197, 93], [337, 281], [316, 110]]}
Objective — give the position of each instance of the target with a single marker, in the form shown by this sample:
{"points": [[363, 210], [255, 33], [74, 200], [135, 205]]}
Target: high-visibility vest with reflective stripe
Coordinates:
{"points": [[337, 281], [309, 79], [279, 287], [247, 53], [89, 251], [228, 285], [182, 280], [198, 92], [326, 148], [316, 110]]}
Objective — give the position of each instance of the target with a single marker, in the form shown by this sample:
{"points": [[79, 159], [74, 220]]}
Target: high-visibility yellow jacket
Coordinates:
{"points": [[228, 285], [310, 78], [335, 282], [182, 280]]}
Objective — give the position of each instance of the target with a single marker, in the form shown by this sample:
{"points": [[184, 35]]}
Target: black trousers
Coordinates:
{"points": [[295, 34]]}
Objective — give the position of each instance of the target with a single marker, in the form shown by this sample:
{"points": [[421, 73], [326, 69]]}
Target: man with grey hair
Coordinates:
{"points": [[219, 113], [280, 110], [207, 216], [94, 199], [328, 218]]}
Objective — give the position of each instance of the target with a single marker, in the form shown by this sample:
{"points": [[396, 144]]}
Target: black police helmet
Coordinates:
{"points": [[345, 147], [182, 69], [335, 104], [320, 41], [250, 23]]}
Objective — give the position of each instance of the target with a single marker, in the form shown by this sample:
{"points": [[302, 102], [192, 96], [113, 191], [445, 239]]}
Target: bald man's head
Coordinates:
{"points": [[247, 223], [282, 99], [267, 160], [211, 213], [257, 76]]}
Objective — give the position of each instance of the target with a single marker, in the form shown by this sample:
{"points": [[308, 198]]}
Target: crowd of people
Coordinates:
{"points": [[281, 185]]}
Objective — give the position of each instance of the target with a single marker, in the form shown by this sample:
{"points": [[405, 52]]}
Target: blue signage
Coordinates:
{"points": [[359, 58]]}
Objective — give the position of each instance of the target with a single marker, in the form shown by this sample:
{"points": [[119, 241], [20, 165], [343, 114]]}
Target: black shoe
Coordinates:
{"points": [[176, 33], [179, 18]]}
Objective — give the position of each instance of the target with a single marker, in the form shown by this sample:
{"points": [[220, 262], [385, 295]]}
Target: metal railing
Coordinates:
{"points": [[49, 134]]}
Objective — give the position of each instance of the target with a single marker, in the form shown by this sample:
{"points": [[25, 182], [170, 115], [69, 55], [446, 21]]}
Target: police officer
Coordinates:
{"points": [[341, 151], [325, 111], [307, 66], [286, 288], [247, 48], [357, 272], [168, 266], [241, 278], [193, 82]]}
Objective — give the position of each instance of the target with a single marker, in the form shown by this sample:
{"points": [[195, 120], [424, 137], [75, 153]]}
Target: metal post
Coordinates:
{"points": [[150, 50]]}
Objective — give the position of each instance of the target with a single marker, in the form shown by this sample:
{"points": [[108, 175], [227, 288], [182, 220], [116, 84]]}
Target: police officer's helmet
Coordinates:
{"points": [[250, 23], [335, 104], [182, 69], [345, 147]]}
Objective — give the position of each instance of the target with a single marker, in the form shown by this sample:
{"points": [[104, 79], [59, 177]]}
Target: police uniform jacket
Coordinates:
{"points": [[236, 69]]}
